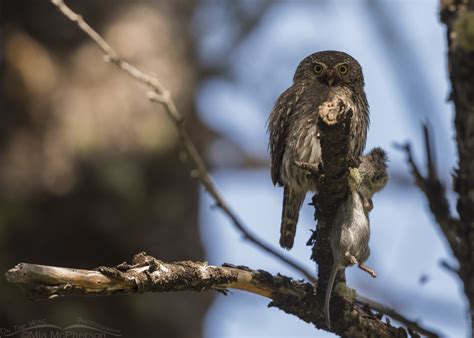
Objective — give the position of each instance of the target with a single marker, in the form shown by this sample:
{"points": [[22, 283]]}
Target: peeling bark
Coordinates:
{"points": [[148, 274]]}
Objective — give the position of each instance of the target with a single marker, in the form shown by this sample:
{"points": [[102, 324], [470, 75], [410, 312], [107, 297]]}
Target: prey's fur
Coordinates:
{"points": [[351, 229]]}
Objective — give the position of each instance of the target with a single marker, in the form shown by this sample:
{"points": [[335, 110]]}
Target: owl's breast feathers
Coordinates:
{"points": [[294, 135]]}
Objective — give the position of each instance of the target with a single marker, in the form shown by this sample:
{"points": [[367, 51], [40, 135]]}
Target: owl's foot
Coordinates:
{"points": [[311, 169], [365, 268]]}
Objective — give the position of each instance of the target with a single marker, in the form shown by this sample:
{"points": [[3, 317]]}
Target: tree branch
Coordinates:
{"points": [[435, 192], [147, 274], [159, 94], [334, 126], [458, 15], [411, 325]]}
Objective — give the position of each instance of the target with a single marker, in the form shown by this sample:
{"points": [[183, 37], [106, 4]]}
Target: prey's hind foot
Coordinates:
{"points": [[351, 258], [370, 271]]}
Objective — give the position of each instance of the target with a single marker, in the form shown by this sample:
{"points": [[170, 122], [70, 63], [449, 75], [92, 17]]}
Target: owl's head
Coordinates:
{"points": [[331, 68]]}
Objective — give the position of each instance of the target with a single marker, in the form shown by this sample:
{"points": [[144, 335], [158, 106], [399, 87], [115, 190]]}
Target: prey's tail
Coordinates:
{"points": [[292, 201], [327, 299]]}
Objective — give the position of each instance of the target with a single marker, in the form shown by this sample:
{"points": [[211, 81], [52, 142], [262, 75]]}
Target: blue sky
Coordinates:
{"points": [[406, 83]]}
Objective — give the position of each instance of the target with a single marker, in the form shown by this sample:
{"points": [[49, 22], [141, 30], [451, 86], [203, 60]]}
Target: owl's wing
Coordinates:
{"points": [[279, 124]]}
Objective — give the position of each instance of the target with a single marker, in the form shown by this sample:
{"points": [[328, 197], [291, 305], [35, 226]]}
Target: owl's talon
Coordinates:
{"points": [[311, 169]]}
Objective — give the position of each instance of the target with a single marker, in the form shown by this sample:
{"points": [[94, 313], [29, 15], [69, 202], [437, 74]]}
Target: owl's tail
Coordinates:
{"points": [[292, 201]]}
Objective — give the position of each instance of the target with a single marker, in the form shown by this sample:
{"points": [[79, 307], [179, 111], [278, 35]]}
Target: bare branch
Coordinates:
{"points": [[411, 324], [434, 192], [159, 94], [458, 16], [430, 155], [147, 274]]}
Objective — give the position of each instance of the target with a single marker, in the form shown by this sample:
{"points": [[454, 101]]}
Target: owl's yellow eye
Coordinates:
{"points": [[342, 69], [318, 68]]}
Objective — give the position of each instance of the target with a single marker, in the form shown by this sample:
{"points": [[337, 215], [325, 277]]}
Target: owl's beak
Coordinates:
{"points": [[330, 76]]}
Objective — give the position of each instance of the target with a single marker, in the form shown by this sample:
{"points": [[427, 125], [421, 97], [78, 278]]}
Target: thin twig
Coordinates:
{"points": [[158, 93], [397, 316], [430, 154], [435, 192]]}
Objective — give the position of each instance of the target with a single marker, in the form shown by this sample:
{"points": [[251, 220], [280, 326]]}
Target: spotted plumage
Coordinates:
{"points": [[323, 80]]}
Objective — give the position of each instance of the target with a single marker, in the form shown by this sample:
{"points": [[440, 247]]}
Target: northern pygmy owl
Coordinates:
{"points": [[323, 80]]}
